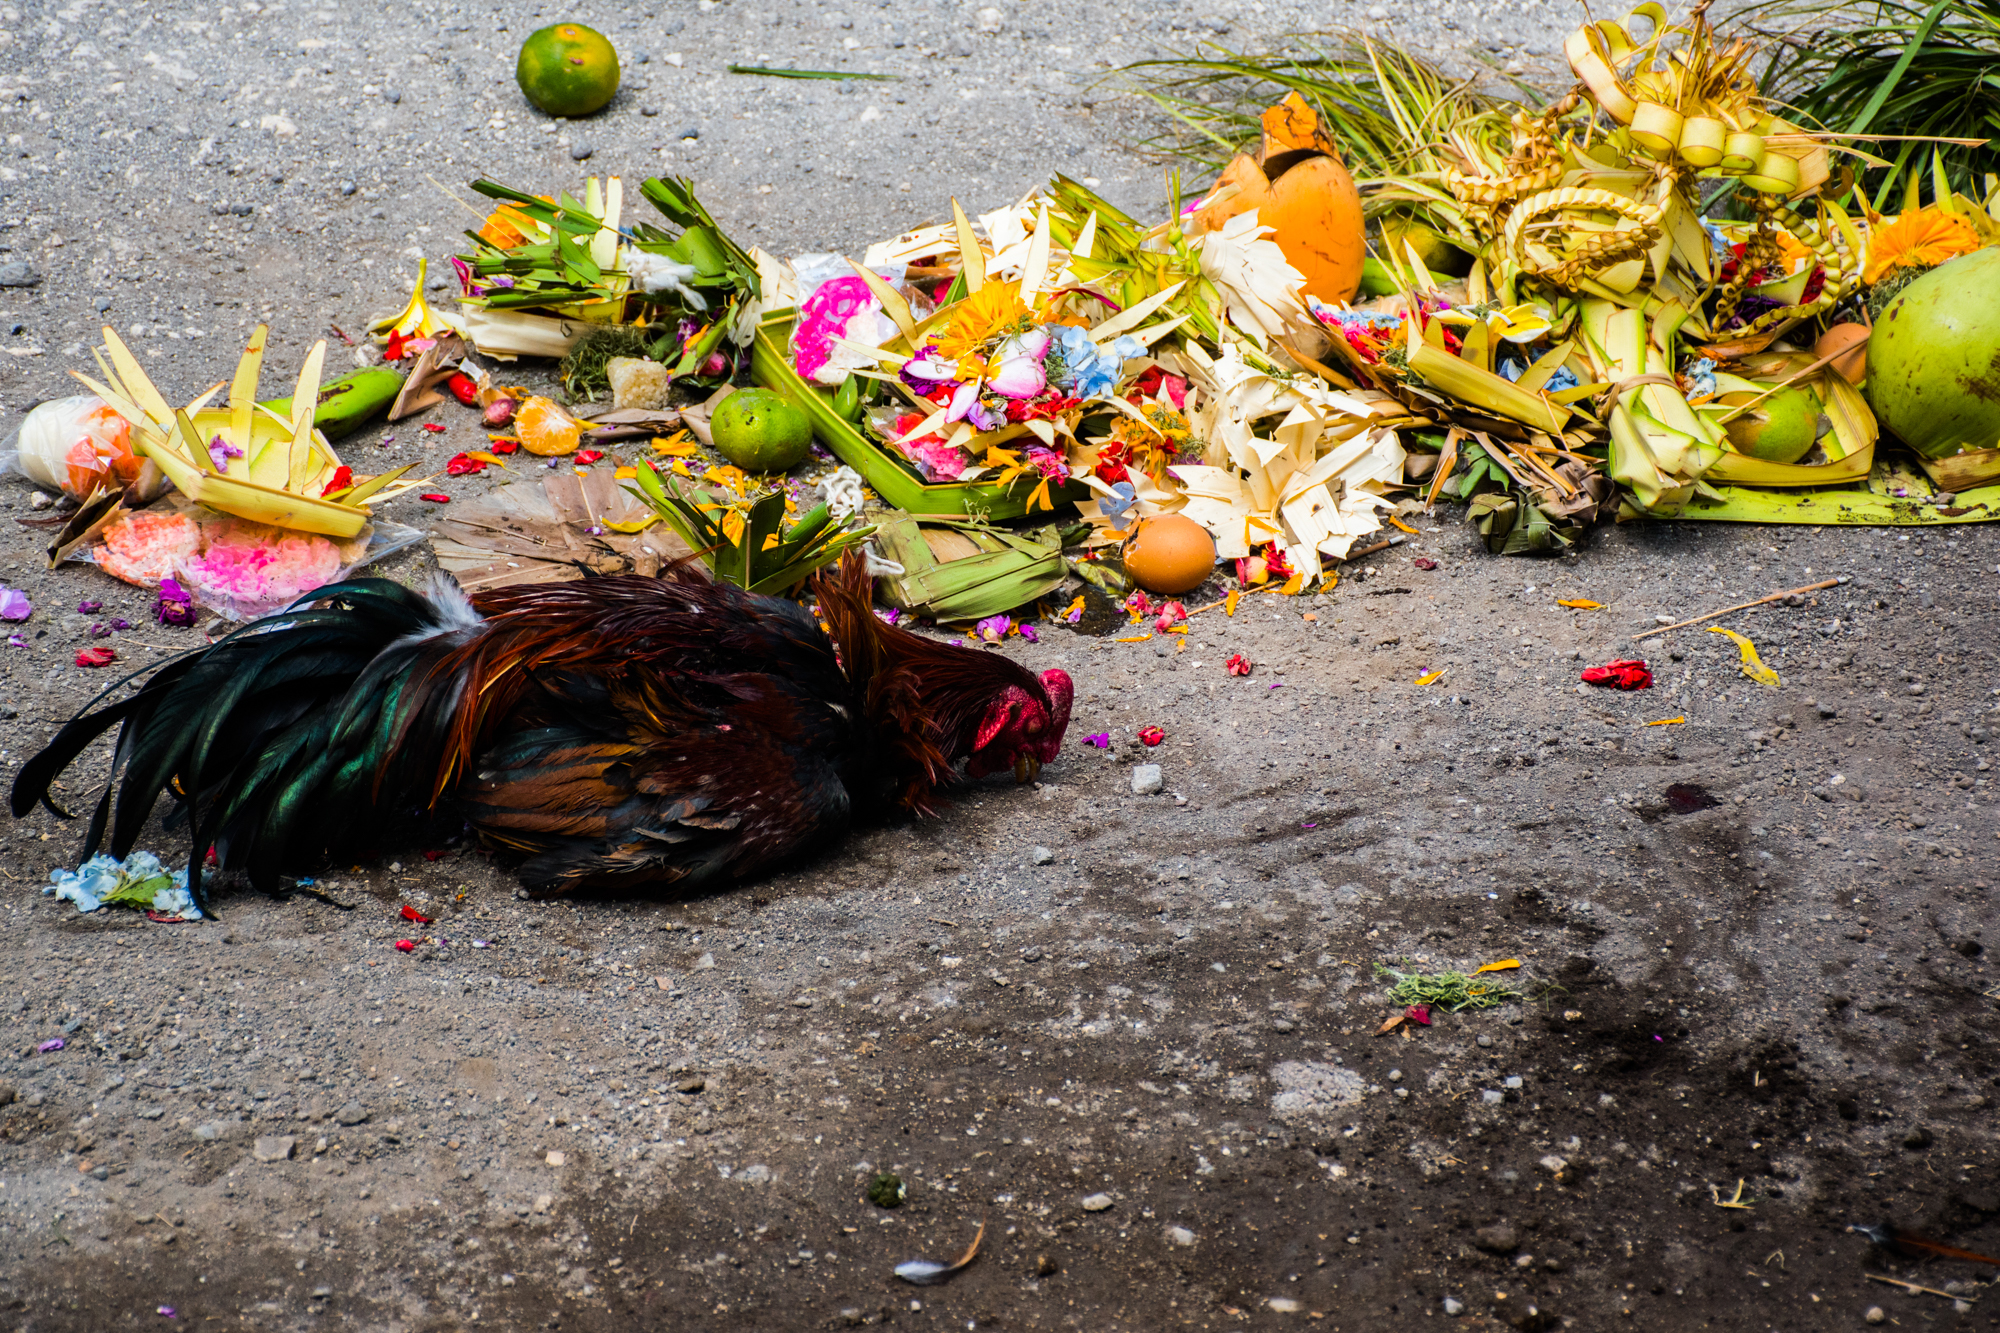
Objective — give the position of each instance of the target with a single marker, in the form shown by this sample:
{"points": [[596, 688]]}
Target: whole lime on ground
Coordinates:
{"points": [[760, 431], [567, 69]]}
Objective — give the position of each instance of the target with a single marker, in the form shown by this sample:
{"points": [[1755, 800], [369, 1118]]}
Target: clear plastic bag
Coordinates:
{"points": [[239, 570], [71, 444]]}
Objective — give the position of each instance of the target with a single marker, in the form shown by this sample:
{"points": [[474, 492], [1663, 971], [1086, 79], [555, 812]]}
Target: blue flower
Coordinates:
{"points": [[1090, 371], [1511, 369], [1116, 505]]}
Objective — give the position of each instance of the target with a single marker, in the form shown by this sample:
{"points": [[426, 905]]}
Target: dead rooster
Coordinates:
{"points": [[617, 731]]}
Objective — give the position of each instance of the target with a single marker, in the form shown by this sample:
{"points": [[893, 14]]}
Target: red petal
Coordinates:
{"points": [[412, 914], [463, 389], [432, 427], [436, 498], [406, 946]]}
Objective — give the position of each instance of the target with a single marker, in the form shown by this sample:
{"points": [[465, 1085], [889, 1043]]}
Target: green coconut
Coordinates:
{"points": [[1779, 429], [1934, 359]]}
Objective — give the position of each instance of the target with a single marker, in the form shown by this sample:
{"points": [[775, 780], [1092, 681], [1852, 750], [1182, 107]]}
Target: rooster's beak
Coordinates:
{"points": [[1026, 767]]}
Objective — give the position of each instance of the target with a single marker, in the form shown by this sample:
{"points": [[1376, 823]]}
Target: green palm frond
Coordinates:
{"points": [[1377, 101], [1891, 67]]}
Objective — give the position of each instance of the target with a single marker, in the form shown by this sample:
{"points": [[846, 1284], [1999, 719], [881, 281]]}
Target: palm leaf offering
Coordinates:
{"points": [[245, 458], [1618, 286], [544, 272], [745, 540]]}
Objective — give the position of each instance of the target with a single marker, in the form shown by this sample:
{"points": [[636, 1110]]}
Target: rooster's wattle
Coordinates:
{"points": [[616, 731]]}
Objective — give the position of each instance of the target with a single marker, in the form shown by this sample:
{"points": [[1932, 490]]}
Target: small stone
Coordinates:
{"points": [[274, 1148], [580, 151], [758, 1174], [1096, 1203], [544, 1202], [18, 274], [690, 1086], [704, 963], [1285, 1304], [556, 1158], [1180, 1236], [1453, 1305], [392, 95], [1499, 1238], [1042, 856], [803, 1002], [1483, 1041], [1554, 1165], [649, 111], [1283, 1025], [354, 1113], [1917, 1139], [40, 500], [209, 1130], [1875, 1315], [9, 1094], [1146, 780]]}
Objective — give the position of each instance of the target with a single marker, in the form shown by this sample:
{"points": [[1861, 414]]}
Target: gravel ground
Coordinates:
{"points": [[1133, 1035]]}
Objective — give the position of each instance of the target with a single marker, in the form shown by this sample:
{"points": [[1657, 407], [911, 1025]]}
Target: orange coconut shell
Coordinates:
{"points": [[1302, 192]]}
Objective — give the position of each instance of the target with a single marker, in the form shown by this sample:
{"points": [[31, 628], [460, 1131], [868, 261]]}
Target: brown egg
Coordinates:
{"points": [[1170, 554], [1853, 367]]}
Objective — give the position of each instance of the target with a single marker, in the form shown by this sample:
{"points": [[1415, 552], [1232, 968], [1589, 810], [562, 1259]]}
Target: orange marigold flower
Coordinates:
{"points": [[507, 227], [1919, 238]]}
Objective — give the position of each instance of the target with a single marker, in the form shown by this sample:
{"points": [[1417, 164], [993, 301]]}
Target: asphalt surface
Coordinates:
{"points": [[1146, 1060]]}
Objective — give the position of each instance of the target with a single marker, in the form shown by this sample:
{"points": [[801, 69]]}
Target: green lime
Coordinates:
{"points": [[760, 431], [568, 69]]}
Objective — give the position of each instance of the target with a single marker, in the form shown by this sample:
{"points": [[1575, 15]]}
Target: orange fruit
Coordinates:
{"points": [[544, 428], [567, 69]]}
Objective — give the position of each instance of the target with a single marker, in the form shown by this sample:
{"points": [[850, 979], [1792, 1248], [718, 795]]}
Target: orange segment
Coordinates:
{"points": [[544, 428]]}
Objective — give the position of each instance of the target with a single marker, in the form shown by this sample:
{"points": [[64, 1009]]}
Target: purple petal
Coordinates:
{"points": [[14, 604], [86, 608], [52, 1045]]}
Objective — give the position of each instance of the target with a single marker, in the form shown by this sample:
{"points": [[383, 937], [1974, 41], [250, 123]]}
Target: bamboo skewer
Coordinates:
{"points": [[1741, 606]]}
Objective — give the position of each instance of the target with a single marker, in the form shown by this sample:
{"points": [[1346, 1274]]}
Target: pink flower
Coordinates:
{"points": [[994, 628], [1102, 740], [1019, 362], [963, 399]]}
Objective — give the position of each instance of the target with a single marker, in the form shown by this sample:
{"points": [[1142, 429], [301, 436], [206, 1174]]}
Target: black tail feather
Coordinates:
{"points": [[278, 739]]}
